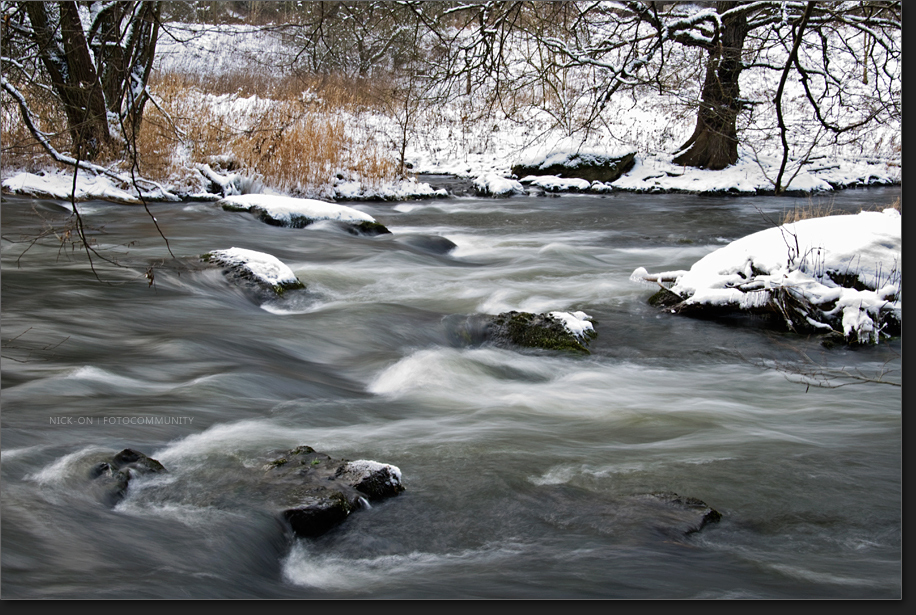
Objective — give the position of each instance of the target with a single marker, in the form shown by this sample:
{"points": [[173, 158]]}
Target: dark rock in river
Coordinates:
{"points": [[635, 519], [671, 512], [110, 478], [310, 491], [591, 167], [433, 244], [314, 493]]}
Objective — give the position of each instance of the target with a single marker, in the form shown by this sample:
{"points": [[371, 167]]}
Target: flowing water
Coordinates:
{"points": [[517, 463]]}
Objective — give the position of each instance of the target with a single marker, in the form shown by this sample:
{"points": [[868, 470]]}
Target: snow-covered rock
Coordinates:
{"points": [[376, 480], [839, 274], [298, 213], [265, 270], [554, 183], [590, 164], [491, 184]]}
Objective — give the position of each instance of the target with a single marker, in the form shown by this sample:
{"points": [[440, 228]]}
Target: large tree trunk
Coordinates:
{"points": [[714, 142], [73, 75]]}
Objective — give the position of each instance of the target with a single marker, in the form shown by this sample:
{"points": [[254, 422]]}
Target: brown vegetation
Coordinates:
{"points": [[296, 135]]}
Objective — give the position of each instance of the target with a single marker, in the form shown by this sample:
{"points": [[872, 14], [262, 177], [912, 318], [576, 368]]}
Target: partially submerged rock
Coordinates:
{"points": [[432, 244], [110, 478], [299, 213], [552, 331], [588, 164], [317, 493], [310, 491], [678, 514], [632, 518], [566, 331], [258, 268]]}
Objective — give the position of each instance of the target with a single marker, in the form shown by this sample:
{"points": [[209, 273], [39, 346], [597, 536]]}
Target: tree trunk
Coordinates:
{"points": [[73, 76], [714, 142]]}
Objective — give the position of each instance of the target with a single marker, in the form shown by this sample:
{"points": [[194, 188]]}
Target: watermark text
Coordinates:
{"points": [[120, 420]]}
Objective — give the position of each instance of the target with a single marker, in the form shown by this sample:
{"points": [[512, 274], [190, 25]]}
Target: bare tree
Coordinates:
{"points": [[94, 58]]}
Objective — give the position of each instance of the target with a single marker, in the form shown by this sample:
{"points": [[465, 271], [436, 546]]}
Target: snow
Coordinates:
{"points": [[577, 323], [366, 468], [264, 267], [390, 191], [798, 258], [750, 175], [286, 209], [568, 152]]}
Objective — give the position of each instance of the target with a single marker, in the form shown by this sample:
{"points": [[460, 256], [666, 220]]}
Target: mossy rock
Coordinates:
{"points": [[664, 298], [536, 331], [368, 228]]}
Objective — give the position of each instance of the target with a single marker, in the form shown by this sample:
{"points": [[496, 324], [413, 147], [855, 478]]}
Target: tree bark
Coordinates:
{"points": [[714, 142]]}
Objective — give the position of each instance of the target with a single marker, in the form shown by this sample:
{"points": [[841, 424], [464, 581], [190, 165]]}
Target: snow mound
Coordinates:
{"points": [[491, 184], [263, 268], [839, 274]]}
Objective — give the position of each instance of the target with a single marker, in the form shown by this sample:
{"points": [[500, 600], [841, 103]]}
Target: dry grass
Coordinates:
{"points": [[820, 210], [297, 135], [811, 210], [19, 149]]}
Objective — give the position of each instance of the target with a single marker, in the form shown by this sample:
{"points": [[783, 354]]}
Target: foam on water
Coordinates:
{"points": [[309, 567], [61, 470], [566, 473], [201, 517]]}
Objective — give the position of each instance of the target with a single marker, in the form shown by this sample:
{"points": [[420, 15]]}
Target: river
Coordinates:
{"points": [[514, 461]]}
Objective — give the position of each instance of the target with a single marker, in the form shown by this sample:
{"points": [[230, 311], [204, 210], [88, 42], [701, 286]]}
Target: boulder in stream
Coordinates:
{"points": [[110, 478], [263, 271], [309, 490], [314, 493], [571, 331], [677, 514]]}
